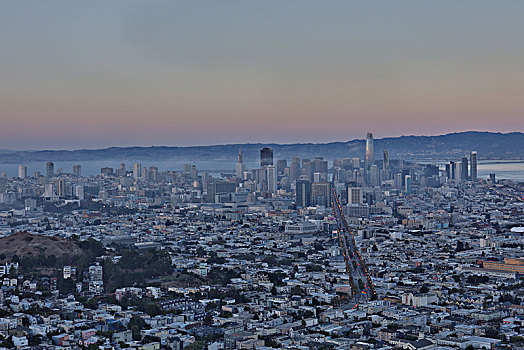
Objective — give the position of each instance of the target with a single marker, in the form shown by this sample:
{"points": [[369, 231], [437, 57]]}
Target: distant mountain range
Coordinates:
{"points": [[489, 145]]}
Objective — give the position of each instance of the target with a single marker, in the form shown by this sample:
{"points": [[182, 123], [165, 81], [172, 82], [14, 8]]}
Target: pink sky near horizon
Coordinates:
{"points": [[91, 76]]}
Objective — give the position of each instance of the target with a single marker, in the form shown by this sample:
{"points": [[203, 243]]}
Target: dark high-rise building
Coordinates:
{"points": [[473, 165], [106, 171], [385, 160], [464, 169], [266, 156], [50, 169], [453, 170], [307, 168], [431, 170], [347, 163], [295, 169], [319, 165], [219, 188], [303, 193], [3, 184], [281, 165]]}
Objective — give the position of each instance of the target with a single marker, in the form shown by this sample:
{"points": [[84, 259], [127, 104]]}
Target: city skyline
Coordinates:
{"points": [[206, 175], [127, 73]]}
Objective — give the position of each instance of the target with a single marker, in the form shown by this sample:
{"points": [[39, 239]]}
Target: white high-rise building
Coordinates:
{"points": [[79, 192], [49, 190], [370, 150], [96, 272], [397, 180], [22, 171], [271, 176], [355, 195]]}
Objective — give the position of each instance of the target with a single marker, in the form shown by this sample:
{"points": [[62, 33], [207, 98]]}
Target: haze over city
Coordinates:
{"points": [[123, 73]]}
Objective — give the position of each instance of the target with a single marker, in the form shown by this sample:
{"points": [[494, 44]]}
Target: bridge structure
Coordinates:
{"points": [[362, 288]]}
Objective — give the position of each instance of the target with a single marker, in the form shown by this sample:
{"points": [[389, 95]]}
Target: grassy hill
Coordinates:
{"points": [[24, 243]]}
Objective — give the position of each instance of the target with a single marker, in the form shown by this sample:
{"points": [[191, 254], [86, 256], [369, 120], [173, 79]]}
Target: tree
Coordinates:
{"points": [[296, 290], [492, 333], [12, 272], [136, 324], [360, 284], [198, 345], [506, 298], [313, 268], [6, 343], [516, 339], [91, 303], [200, 251], [208, 319]]}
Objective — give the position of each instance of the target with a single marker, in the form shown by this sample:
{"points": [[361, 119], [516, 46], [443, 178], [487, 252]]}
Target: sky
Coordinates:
{"points": [[91, 74]]}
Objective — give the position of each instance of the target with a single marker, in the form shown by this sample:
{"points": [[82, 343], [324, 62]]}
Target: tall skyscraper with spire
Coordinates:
{"points": [[240, 166], [370, 150]]}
